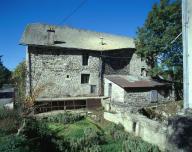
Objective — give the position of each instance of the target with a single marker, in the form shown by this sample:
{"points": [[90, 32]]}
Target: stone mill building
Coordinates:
{"points": [[79, 68]]}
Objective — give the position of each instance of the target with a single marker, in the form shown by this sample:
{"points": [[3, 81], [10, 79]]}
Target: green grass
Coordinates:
{"points": [[102, 136], [75, 130], [112, 146]]}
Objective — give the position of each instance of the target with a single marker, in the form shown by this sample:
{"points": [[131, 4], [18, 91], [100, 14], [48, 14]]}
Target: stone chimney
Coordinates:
{"points": [[51, 36]]}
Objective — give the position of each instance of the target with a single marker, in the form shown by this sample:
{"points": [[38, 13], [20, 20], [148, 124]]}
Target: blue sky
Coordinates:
{"points": [[112, 16]]}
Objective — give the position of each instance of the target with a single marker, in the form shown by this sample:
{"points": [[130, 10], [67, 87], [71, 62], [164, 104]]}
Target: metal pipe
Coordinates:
{"points": [[187, 52]]}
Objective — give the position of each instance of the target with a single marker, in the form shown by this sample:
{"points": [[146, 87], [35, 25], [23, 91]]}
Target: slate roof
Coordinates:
{"points": [[67, 37], [128, 82]]}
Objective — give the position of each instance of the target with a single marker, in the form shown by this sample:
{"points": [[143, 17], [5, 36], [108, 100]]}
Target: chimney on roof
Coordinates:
{"points": [[51, 36]]}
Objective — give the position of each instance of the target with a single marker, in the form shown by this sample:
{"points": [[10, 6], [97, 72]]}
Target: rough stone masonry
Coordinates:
{"points": [[72, 63]]}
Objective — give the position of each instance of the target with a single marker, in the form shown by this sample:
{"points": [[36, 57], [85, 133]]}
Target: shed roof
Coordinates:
{"points": [[133, 83], [67, 37]]}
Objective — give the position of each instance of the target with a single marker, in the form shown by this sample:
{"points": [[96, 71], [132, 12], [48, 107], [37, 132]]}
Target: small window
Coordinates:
{"points": [[6, 95], [143, 72], [93, 88], [109, 89], [85, 59], [85, 78], [134, 126], [67, 76]]}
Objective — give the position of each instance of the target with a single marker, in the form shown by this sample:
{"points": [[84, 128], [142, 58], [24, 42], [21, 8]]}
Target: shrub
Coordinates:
{"points": [[133, 144], [9, 121], [14, 143], [129, 142], [88, 143], [4, 114], [117, 132], [65, 118]]}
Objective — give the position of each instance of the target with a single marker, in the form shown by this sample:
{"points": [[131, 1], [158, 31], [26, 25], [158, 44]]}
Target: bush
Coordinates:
{"points": [[4, 114], [129, 142], [133, 144], [9, 121], [65, 118], [117, 132], [89, 142], [13, 143]]}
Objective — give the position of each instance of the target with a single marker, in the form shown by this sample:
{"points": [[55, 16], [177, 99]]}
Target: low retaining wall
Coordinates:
{"points": [[175, 135], [149, 130]]}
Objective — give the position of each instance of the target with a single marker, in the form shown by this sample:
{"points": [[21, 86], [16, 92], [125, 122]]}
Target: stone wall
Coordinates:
{"points": [[141, 97], [117, 62], [136, 64], [60, 71], [133, 97]]}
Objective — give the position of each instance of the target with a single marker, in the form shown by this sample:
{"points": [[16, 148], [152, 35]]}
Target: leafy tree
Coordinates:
{"points": [[5, 74], [156, 43], [19, 80]]}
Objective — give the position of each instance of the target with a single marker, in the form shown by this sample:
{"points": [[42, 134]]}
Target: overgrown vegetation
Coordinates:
{"points": [[162, 112], [65, 132], [19, 81], [9, 124], [9, 121], [78, 133], [64, 118], [13, 143]]}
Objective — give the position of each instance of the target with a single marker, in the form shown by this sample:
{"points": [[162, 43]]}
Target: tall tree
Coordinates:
{"points": [[156, 43], [5, 74]]}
